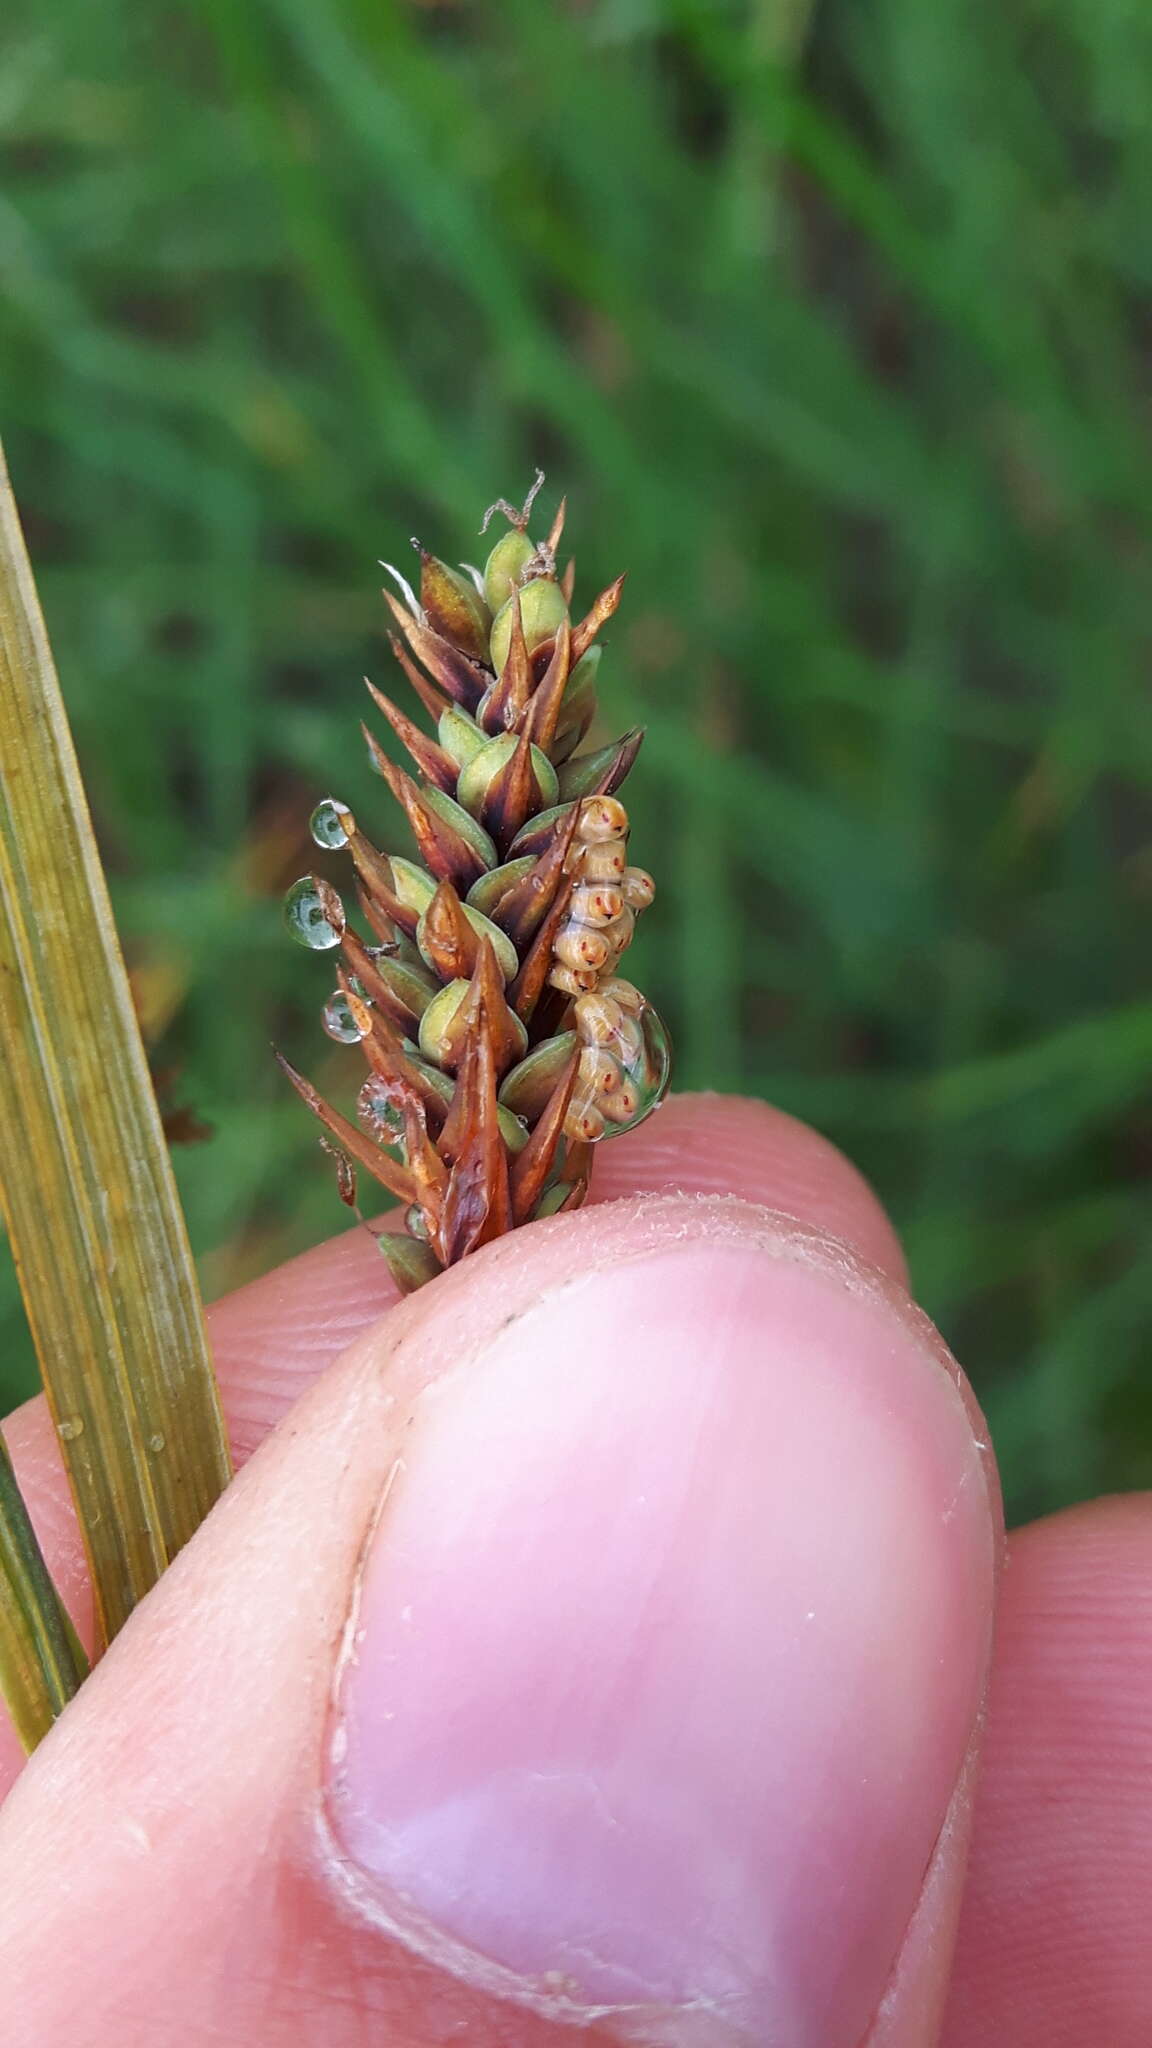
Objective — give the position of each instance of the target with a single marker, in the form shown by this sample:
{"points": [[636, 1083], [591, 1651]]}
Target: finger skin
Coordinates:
{"points": [[189, 1768], [272, 1338], [1054, 1948], [1053, 1941]]}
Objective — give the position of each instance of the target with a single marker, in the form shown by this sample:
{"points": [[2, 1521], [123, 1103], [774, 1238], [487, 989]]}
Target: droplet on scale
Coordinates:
{"points": [[379, 1109], [314, 914], [625, 1066], [646, 1078], [338, 1020], [331, 823]]}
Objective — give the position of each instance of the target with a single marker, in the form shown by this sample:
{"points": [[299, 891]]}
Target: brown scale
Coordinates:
{"points": [[607, 896]]}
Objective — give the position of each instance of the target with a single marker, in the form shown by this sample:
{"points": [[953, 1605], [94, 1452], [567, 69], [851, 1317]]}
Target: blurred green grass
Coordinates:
{"points": [[834, 324]]}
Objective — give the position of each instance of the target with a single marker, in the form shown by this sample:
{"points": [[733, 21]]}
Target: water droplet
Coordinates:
{"points": [[647, 1073], [417, 1223], [338, 1020], [331, 823], [314, 914], [157, 1442], [71, 1427], [379, 1109], [625, 1061]]}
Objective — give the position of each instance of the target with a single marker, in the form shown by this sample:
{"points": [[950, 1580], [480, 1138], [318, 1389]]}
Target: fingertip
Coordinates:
{"points": [[711, 1144], [663, 1527], [731, 1533], [272, 1337]]}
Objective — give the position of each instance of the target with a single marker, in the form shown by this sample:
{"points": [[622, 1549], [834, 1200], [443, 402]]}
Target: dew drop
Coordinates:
{"points": [[71, 1427], [648, 1072], [156, 1443], [338, 1020], [314, 914], [379, 1109], [331, 823], [631, 1063]]}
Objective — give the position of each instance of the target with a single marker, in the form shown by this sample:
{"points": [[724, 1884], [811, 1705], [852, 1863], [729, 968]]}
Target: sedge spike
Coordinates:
{"points": [[501, 1039]]}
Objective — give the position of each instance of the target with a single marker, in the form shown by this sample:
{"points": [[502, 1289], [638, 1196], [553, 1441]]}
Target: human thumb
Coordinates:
{"points": [[598, 1648]]}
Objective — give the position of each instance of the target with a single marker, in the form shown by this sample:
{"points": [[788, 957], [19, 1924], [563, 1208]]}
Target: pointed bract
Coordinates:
{"points": [[396, 1179], [434, 700], [478, 1204], [529, 984], [521, 911], [507, 700], [542, 716], [447, 940], [431, 759], [584, 634], [457, 676], [485, 1009], [556, 530], [377, 883], [534, 1167], [403, 1078], [447, 847], [513, 795], [601, 773]]}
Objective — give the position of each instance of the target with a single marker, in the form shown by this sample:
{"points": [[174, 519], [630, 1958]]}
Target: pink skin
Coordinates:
{"points": [[637, 1703], [273, 1338], [760, 1569]]}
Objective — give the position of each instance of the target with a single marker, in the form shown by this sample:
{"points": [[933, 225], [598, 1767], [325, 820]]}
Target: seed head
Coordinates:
{"points": [[501, 1042]]}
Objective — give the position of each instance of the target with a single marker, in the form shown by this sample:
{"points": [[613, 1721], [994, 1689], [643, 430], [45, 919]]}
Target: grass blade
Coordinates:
{"points": [[87, 1188], [41, 1661]]}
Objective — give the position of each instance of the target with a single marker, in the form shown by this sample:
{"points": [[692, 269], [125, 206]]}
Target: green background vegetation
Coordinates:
{"points": [[834, 321]]}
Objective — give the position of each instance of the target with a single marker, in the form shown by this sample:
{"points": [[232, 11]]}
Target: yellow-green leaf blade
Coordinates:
{"points": [[41, 1661], [85, 1179]]}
